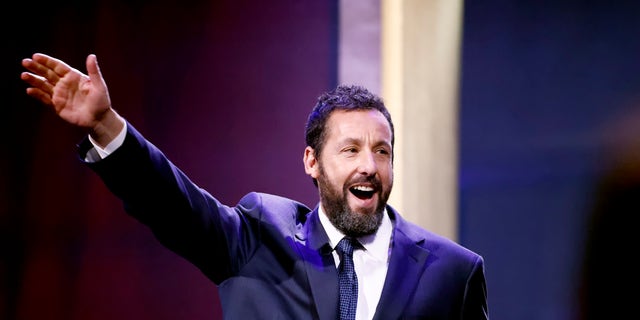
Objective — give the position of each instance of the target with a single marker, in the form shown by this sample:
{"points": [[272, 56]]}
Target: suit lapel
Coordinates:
{"points": [[320, 267], [406, 266]]}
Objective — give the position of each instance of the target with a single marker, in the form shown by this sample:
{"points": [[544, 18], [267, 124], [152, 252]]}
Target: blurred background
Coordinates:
{"points": [[546, 105]]}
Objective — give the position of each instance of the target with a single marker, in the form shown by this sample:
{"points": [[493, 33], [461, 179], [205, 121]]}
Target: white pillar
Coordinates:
{"points": [[408, 51], [420, 75]]}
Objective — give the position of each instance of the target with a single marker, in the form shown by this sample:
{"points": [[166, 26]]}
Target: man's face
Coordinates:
{"points": [[354, 173]]}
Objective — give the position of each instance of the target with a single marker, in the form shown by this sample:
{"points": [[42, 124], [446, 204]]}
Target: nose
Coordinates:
{"points": [[367, 163]]}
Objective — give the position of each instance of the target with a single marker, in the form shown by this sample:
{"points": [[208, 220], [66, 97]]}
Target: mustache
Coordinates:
{"points": [[372, 180]]}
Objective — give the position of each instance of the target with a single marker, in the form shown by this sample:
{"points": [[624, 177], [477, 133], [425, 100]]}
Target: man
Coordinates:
{"points": [[273, 257]]}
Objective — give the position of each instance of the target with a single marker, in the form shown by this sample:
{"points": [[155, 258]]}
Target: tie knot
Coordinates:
{"points": [[345, 246]]}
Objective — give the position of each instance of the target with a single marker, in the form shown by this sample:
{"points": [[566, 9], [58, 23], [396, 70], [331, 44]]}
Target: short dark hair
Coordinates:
{"points": [[346, 98]]}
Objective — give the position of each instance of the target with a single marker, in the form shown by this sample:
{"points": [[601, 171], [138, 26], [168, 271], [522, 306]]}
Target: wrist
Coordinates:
{"points": [[107, 128]]}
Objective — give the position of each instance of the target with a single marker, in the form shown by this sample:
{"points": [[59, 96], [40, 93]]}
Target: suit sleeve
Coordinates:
{"points": [[183, 217]]}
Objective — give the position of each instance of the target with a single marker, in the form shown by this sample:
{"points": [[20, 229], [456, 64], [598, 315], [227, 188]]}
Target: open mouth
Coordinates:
{"points": [[362, 192]]}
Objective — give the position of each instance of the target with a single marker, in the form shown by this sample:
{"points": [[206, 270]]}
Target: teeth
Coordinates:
{"points": [[363, 188]]}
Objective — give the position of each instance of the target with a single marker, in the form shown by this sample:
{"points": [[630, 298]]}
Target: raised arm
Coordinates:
{"points": [[79, 99]]}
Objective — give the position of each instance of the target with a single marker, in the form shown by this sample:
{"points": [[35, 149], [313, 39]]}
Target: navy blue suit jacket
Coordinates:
{"points": [[270, 256]]}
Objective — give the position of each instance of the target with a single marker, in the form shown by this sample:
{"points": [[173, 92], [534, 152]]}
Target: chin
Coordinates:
{"points": [[364, 211]]}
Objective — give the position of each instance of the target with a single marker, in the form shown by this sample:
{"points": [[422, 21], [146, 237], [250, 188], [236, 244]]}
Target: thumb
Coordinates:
{"points": [[94, 70]]}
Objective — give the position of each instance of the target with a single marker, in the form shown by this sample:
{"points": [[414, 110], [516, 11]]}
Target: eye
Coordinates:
{"points": [[383, 151], [350, 150]]}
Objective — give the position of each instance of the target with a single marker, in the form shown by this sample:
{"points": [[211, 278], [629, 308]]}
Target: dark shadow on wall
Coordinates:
{"points": [[609, 272]]}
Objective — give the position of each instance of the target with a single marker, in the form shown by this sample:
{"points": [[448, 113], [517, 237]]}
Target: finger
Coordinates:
{"points": [[50, 68], [40, 95], [41, 70], [37, 82], [57, 66]]}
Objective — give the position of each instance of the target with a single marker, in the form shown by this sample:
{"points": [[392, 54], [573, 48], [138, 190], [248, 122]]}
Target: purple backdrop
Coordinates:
{"points": [[223, 87]]}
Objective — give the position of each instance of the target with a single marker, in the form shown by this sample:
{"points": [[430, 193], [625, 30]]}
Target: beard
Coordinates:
{"points": [[337, 209]]}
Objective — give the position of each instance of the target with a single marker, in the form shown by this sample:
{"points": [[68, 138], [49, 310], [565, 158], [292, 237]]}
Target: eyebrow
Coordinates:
{"points": [[358, 141]]}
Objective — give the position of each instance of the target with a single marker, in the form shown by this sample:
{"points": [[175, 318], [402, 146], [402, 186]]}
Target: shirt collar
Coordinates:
{"points": [[376, 244]]}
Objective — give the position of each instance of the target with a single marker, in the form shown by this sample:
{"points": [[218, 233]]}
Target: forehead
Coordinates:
{"points": [[356, 123]]}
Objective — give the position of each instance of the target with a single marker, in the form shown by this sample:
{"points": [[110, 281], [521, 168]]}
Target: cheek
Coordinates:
{"points": [[386, 173], [335, 174], [332, 171]]}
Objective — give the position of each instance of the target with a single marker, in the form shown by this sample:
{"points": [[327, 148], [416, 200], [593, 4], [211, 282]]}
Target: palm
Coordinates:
{"points": [[78, 100]]}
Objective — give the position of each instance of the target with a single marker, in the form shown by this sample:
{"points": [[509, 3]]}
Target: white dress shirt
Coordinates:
{"points": [[371, 263], [112, 146]]}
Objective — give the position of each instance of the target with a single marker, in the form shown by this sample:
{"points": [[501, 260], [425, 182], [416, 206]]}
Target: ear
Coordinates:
{"points": [[310, 162]]}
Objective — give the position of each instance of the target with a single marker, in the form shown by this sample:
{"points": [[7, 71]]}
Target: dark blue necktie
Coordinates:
{"points": [[348, 280]]}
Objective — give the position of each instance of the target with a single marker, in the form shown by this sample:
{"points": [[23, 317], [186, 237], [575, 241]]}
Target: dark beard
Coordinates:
{"points": [[337, 209]]}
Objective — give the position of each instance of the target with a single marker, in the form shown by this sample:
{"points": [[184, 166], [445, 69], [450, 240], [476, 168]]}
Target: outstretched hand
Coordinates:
{"points": [[80, 99]]}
